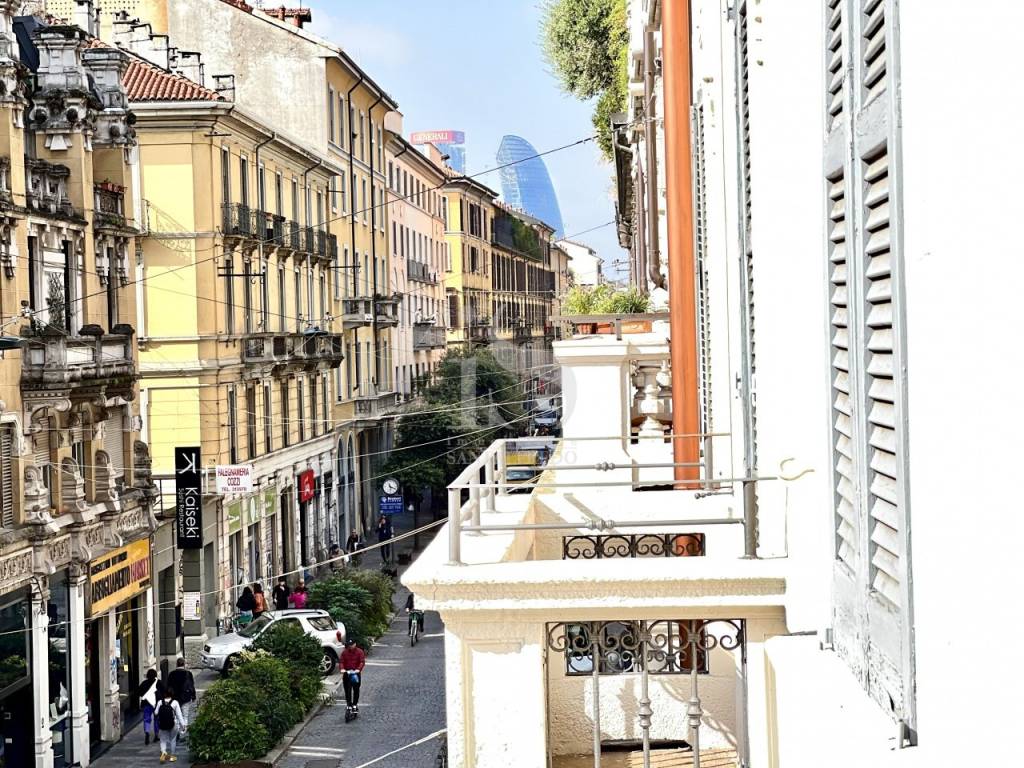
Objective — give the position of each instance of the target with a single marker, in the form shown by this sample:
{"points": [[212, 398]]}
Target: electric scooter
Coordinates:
{"points": [[351, 713]]}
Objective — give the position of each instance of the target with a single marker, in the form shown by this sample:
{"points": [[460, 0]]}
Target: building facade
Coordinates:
{"points": [[419, 260], [526, 184], [77, 607], [586, 266], [354, 118], [811, 620]]}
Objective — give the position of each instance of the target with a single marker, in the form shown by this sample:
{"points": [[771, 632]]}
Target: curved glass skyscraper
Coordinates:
{"points": [[527, 184]]}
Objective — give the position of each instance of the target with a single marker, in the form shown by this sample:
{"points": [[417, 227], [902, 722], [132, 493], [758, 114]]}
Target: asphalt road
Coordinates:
{"points": [[402, 701]]}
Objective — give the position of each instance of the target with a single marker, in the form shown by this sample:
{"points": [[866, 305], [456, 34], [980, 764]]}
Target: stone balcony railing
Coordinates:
{"points": [[46, 189], [376, 405], [427, 337], [67, 361], [357, 312], [300, 350]]}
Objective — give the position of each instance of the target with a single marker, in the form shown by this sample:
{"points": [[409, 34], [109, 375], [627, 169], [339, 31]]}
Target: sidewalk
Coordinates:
{"points": [[132, 750]]}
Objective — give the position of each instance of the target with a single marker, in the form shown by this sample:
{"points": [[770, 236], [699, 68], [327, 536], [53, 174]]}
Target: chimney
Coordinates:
{"points": [[139, 37], [86, 16], [297, 17], [122, 25], [225, 86], [160, 51], [190, 64]]}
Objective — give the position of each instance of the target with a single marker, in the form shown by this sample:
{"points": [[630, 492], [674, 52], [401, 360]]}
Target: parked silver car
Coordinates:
{"points": [[220, 653]]}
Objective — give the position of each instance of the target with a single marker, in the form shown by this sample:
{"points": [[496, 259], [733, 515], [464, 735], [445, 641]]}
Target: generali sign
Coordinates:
{"points": [[234, 478]]}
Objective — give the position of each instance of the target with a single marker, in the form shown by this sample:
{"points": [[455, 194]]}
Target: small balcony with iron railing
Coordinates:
{"points": [[270, 228], [420, 272], [293, 237], [479, 329], [238, 222], [46, 189], [625, 574], [312, 350]]}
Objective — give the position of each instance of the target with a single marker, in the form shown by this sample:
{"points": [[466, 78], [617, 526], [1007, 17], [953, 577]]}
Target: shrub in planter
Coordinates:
{"points": [[301, 654], [227, 728], [347, 602], [382, 589], [274, 700]]}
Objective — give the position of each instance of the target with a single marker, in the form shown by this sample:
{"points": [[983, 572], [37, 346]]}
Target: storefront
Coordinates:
{"points": [[59, 664], [251, 543], [114, 638], [15, 680]]}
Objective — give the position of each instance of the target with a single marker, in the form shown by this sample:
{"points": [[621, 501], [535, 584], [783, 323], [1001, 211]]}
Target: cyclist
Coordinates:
{"points": [[352, 662], [410, 606]]}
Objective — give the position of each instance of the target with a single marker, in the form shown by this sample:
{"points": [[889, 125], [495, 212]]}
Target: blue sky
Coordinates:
{"points": [[477, 66]]}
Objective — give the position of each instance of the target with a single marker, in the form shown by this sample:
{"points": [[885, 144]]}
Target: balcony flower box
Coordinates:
{"points": [[591, 302]]}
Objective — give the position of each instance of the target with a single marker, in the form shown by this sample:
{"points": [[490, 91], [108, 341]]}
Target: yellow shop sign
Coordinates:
{"points": [[118, 576]]}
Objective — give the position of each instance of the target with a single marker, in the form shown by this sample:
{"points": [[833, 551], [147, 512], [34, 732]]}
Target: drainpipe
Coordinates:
{"points": [[309, 221], [373, 240], [679, 204], [653, 263]]}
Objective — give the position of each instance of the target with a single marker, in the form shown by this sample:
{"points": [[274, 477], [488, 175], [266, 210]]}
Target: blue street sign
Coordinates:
{"points": [[391, 505]]}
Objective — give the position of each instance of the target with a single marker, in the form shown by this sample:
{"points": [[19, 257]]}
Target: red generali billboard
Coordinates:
{"points": [[438, 137], [307, 485]]}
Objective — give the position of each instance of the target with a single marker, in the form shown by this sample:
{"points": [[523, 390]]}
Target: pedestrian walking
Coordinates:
{"points": [[352, 546], [245, 604], [385, 531], [182, 686], [300, 595], [260, 599], [150, 691], [169, 723], [352, 662], [281, 594]]}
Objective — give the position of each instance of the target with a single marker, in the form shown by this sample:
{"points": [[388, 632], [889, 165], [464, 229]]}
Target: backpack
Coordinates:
{"points": [[165, 716]]}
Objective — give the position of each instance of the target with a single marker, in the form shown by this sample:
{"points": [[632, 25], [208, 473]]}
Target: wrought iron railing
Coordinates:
{"points": [[417, 270], [294, 235], [237, 219], [628, 545]]}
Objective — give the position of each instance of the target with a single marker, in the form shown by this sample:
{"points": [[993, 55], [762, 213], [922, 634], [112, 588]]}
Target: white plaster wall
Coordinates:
{"points": [[272, 69], [963, 267]]}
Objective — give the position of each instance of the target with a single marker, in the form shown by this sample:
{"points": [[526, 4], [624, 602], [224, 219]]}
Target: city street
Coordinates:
{"points": [[402, 700]]}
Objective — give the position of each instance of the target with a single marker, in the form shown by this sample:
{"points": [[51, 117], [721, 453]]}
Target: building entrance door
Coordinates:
{"points": [[126, 649]]}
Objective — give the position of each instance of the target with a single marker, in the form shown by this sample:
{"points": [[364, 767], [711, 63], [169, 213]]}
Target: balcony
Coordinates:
{"points": [[522, 332], [278, 351], [357, 313], [427, 337], [270, 228], [293, 236], [237, 222], [309, 241], [420, 272], [386, 308], [55, 361], [479, 330], [46, 189], [108, 208], [626, 597], [375, 406]]}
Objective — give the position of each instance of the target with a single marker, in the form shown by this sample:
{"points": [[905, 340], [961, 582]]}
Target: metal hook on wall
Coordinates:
{"points": [[791, 478]]}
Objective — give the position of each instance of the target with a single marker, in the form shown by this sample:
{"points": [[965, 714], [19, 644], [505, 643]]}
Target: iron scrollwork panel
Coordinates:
{"points": [[664, 646], [630, 545]]}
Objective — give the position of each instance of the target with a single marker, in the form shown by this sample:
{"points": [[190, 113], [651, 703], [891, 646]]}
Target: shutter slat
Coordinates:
{"points": [[6, 478], [883, 439], [886, 513], [882, 415], [113, 440], [884, 488]]}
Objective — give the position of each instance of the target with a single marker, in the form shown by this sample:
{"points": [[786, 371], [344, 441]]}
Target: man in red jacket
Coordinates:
{"points": [[352, 662]]}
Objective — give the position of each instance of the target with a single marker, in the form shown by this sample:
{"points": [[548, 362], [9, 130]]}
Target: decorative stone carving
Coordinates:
{"points": [[142, 463], [15, 568], [106, 487], [86, 542], [65, 102], [37, 500], [72, 491], [114, 122], [50, 555]]}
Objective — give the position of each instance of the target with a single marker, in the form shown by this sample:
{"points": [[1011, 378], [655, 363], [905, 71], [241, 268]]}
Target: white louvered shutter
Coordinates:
{"points": [[6, 478], [113, 440], [41, 444], [700, 252], [873, 31], [842, 426], [835, 66], [883, 498]]}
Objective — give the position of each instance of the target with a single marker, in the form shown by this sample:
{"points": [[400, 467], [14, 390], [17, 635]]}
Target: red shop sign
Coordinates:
{"points": [[307, 485]]}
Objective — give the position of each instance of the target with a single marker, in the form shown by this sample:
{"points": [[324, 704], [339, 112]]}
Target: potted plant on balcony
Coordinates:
{"points": [[605, 299]]}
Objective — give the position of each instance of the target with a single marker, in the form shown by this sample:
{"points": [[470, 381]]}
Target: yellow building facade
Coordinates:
{"points": [[77, 606]]}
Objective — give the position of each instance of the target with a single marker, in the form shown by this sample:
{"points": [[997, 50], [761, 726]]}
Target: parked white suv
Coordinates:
{"points": [[221, 652]]}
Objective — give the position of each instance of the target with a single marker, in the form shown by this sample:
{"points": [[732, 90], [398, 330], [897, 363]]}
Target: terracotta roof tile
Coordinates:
{"points": [[147, 82]]}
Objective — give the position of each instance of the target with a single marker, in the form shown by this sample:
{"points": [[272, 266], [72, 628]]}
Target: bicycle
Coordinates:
{"points": [[415, 626]]}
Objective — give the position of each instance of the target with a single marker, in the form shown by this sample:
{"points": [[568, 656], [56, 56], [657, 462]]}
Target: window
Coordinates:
{"points": [[6, 477], [250, 420], [225, 175], [268, 410], [243, 179], [247, 296], [300, 388], [444, 211], [380, 147], [314, 424], [229, 296], [298, 302], [341, 120], [330, 115], [332, 192], [344, 195], [295, 200], [279, 193], [286, 407], [362, 139], [364, 202], [281, 307], [325, 403], [391, 175], [261, 187], [232, 426]]}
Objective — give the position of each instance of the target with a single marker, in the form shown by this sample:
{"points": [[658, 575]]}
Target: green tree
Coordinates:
{"points": [[586, 43]]}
